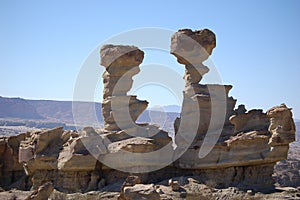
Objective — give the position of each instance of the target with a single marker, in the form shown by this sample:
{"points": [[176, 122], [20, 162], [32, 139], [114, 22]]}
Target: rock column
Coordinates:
{"points": [[121, 64], [191, 48]]}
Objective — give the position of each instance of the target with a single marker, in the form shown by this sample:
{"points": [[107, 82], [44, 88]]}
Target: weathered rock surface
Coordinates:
{"points": [[60, 157], [253, 120], [254, 140], [282, 125], [121, 111], [141, 191], [132, 189], [130, 181], [119, 55], [42, 193], [12, 173], [192, 47], [121, 64]]}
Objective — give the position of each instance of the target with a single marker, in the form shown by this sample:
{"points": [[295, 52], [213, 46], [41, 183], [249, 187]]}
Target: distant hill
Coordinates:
{"points": [[62, 110], [54, 112], [169, 108], [17, 108]]}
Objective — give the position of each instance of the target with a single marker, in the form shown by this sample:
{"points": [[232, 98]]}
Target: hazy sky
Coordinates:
{"points": [[45, 43]]}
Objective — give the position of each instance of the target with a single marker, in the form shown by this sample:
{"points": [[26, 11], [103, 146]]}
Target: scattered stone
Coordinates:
{"points": [[130, 181], [141, 191], [250, 192], [42, 193], [174, 185]]}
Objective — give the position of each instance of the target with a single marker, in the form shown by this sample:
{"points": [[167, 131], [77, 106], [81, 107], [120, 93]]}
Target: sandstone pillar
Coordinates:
{"points": [[121, 64]]}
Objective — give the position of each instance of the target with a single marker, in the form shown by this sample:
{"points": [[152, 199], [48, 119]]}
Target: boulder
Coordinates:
{"points": [[120, 56], [42, 193], [141, 191], [192, 47]]}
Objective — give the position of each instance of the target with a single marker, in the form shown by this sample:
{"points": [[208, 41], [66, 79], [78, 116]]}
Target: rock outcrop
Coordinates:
{"points": [[120, 111], [12, 173], [43, 192], [60, 157], [282, 125], [217, 144], [238, 142], [121, 64]]}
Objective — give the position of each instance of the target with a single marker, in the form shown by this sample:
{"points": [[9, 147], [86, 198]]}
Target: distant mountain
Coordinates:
{"points": [[52, 112], [63, 111], [169, 108], [17, 108]]}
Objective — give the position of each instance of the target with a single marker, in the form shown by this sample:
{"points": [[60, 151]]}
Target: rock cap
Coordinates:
{"points": [[120, 56]]}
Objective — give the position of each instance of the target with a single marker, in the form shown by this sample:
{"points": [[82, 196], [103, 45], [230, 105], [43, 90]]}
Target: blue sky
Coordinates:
{"points": [[45, 43]]}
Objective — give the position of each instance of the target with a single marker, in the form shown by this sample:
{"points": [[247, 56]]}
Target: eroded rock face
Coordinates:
{"points": [[121, 64], [130, 181], [141, 191], [120, 111], [253, 120], [120, 56], [238, 139], [60, 157], [132, 189], [11, 171], [43, 192], [192, 47], [282, 125], [123, 109]]}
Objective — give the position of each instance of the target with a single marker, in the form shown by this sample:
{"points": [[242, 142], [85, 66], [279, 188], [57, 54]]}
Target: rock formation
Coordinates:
{"points": [[249, 143], [121, 111], [121, 64], [216, 144], [43, 192]]}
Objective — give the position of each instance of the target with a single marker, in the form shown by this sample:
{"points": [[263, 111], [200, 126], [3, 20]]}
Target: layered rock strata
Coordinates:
{"points": [[120, 111], [121, 64], [230, 139]]}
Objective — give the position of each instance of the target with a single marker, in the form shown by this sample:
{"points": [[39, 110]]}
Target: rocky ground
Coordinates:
{"points": [[190, 189], [184, 187]]}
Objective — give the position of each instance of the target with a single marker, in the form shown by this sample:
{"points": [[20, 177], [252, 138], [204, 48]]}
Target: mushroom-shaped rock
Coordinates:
{"points": [[192, 47], [120, 56]]}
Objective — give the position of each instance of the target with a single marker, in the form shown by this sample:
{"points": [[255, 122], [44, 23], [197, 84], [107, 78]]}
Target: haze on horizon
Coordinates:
{"points": [[44, 45]]}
